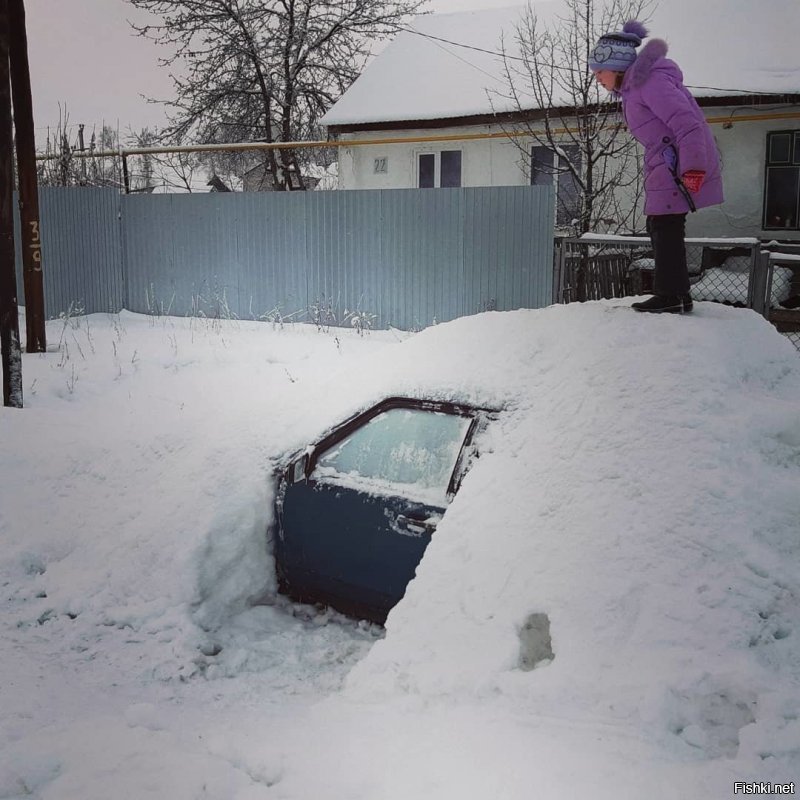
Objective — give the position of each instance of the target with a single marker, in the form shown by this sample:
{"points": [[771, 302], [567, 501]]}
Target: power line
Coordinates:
{"points": [[752, 92], [561, 68], [439, 43], [483, 50]]}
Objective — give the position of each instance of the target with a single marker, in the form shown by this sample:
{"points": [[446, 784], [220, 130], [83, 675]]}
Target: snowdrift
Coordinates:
{"points": [[639, 492]]}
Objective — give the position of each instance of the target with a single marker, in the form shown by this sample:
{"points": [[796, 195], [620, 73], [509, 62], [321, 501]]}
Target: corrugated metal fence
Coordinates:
{"points": [[81, 250], [409, 257]]}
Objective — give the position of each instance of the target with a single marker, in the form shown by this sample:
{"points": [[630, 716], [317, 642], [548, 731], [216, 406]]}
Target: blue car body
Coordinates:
{"points": [[356, 511]]}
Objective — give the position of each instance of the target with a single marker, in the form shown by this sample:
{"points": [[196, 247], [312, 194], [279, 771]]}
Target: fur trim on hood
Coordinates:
{"points": [[640, 70]]}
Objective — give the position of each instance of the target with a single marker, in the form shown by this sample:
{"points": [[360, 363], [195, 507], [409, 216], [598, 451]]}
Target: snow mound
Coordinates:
{"points": [[614, 588], [640, 491]]}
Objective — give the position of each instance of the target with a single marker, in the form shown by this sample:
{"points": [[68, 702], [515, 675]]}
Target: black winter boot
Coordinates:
{"points": [[666, 304]]}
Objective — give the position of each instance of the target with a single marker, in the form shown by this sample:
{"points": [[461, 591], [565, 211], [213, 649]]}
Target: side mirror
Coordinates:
{"points": [[297, 471]]}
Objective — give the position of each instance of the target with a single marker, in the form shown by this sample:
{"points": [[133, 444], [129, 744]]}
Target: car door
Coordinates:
{"points": [[357, 513]]}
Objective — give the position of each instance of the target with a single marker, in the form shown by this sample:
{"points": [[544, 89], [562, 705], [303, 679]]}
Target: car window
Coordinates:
{"points": [[400, 451]]}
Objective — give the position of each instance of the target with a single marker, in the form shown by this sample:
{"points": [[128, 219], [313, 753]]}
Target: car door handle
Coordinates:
{"points": [[417, 525]]}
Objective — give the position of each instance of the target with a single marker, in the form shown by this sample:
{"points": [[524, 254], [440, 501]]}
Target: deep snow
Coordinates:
{"points": [[641, 489]]}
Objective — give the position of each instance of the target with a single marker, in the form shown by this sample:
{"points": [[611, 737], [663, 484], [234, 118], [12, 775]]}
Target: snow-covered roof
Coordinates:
{"points": [[725, 47], [417, 77]]}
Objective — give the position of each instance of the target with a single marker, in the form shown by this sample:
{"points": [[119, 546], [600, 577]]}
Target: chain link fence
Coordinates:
{"points": [[794, 338], [785, 271], [738, 272]]}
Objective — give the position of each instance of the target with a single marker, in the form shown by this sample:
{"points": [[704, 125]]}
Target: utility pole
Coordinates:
{"points": [[28, 182], [9, 314]]}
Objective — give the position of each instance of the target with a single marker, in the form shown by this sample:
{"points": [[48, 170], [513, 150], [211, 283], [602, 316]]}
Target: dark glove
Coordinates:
{"points": [[693, 180]]}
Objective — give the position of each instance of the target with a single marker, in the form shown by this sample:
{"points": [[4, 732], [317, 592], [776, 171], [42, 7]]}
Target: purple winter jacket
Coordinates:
{"points": [[661, 113]]}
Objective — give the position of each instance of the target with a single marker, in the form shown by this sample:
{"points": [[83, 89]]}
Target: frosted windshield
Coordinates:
{"points": [[403, 450]]}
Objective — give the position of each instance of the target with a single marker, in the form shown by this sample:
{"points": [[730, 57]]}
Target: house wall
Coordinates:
{"points": [[485, 162], [498, 162], [743, 148]]}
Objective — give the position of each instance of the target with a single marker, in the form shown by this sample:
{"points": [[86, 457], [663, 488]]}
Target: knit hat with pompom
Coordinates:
{"points": [[617, 51]]}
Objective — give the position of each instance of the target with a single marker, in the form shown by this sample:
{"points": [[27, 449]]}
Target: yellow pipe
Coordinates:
{"points": [[754, 117], [456, 137]]}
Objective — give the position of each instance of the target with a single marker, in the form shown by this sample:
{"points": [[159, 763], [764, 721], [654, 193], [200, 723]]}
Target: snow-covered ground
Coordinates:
{"points": [[641, 489]]}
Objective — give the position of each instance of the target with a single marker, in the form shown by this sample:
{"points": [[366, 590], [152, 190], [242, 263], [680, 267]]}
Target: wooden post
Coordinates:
{"points": [[28, 183], [125, 175], [9, 314]]}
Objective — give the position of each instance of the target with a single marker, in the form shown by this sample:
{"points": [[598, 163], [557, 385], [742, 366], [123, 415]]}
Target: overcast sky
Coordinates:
{"points": [[85, 57]]}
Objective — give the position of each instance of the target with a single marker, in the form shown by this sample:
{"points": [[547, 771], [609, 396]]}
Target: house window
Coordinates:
{"points": [[782, 186], [550, 168], [427, 171], [441, 169]]}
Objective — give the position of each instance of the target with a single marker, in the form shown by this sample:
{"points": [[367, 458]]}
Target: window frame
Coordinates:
{"points": [[558, 178], [302, 465], [437, 168], [393, 486], [773, 166]]}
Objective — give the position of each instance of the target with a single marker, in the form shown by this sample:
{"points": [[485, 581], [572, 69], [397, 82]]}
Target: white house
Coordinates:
{"points": [[436, 101]]}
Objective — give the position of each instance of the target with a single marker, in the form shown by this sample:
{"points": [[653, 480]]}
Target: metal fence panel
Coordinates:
{"points": [[408, 257], [216, 254], [508, 248], [81, 250], [342, 246], [273, 254], [421, 252]]}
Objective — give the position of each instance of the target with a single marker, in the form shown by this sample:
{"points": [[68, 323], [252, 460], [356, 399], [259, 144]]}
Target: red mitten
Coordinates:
{"points": [[693, 180]]}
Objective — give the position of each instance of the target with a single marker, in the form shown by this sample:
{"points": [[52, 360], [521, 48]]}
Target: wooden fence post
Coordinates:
{"points": [[9, 314], [28, 184]]}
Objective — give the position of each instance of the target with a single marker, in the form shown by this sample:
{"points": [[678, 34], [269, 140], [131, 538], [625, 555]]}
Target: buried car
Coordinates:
{"points": [[356, 511]]}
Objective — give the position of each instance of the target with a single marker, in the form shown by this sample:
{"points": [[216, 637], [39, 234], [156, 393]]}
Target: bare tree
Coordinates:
{"points": [[179, 171], [577, 132], [182, 172], [72, 161], [143, 177], [61, 168], [104, 170], [264, 70]]}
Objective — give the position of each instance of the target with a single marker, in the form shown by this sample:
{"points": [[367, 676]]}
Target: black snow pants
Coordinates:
{"points": [[667, 233]]}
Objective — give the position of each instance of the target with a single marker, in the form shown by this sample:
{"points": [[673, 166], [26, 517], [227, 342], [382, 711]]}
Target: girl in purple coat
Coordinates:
{"points": [[681, 162]]}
